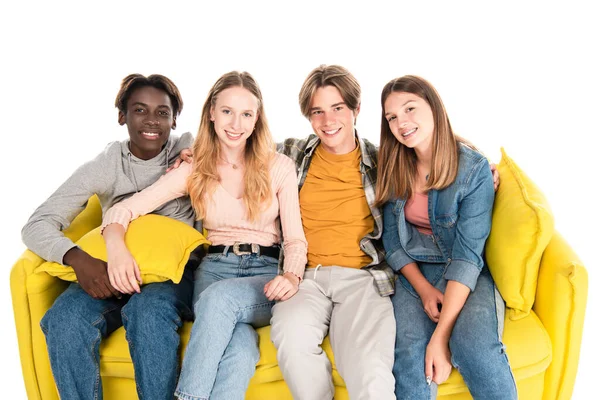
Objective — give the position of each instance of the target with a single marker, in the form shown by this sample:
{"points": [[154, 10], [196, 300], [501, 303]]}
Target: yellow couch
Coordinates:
{"points": [[543, 347]]}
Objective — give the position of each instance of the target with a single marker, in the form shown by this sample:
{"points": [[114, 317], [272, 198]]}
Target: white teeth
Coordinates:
{"points": [[233, 134], [331, 132], [409, 132], [153, 134]]}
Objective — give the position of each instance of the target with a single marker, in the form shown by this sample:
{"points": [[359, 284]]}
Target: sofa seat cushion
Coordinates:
{"points": [[528, 348], [267, 369]]}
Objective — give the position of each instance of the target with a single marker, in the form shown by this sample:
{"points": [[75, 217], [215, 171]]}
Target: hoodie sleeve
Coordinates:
{"points": [[43, 232]]}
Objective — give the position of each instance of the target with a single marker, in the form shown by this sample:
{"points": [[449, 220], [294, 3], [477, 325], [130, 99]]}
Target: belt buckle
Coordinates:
{"points": [[236, 249]]}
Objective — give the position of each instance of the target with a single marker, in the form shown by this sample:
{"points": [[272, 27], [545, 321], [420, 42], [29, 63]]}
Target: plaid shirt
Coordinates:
{"points": [[301, 152]]}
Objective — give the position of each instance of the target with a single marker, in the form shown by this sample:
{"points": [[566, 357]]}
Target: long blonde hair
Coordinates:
{"points": [[397, 165], [258, 153]]}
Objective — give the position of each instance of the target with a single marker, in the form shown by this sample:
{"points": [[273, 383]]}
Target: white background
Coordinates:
{"points": [[520, 75]]}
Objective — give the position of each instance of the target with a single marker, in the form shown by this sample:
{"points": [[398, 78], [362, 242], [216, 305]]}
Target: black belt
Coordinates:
{"points": [[240, 249]]}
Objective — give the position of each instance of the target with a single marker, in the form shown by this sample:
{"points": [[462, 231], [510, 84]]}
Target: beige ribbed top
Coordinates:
{"points": [[226, 220]]}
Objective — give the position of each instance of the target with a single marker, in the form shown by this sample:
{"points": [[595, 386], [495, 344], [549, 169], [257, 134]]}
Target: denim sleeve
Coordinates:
{"points": [[395, 255], [473, 226]]}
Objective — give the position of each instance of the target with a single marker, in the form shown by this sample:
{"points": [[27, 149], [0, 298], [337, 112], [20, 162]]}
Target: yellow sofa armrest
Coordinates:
{"points": [[560, 303], [32, 295]]}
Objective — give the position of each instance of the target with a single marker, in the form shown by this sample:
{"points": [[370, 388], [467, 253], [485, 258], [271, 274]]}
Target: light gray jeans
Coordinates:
{"points": [[362, 332]]}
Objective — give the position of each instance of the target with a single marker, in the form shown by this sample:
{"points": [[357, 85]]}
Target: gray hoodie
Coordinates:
{"points": [[113, 175]]}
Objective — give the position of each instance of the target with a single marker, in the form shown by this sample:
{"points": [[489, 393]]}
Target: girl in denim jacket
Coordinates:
{"points": [[437, 194]]}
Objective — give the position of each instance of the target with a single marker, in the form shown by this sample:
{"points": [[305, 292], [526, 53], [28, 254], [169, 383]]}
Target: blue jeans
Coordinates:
{"points": [[229, 303], [76, 323], [475, 344]]}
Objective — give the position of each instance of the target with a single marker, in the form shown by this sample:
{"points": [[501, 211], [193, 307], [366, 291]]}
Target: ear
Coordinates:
{"points": [[356, 113], [174, 124], [256, 117], [121, 118], [212, 113]]}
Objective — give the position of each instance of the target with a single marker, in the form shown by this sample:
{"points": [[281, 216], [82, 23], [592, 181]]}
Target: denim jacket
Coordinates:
{"points": [[460, 217], [301, 152]]}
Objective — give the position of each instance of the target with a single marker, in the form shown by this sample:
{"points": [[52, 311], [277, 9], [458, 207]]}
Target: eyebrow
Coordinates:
{"points": [[139, 103], [248, 110], [388, 113], [332, 106]]}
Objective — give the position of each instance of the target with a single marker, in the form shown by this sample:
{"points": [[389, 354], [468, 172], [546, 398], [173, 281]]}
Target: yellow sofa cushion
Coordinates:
{"points": [[528, 345], [522, 226], [160, 245]]}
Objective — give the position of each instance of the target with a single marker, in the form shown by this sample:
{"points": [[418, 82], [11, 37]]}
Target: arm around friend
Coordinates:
{"points": [[123, 270]]}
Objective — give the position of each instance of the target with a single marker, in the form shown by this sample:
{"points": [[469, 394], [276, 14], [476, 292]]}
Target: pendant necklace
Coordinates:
{"points": [[234, 166]]}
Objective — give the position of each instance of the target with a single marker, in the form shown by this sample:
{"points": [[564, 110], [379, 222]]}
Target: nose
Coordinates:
{"points": [[151, 121], [236, 122], [402, 122], [328, 118]]}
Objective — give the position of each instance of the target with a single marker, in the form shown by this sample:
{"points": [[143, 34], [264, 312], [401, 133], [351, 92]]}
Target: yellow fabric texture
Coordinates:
{"points": [[543, 346], [335, 212], [160, 245], [560, 304], [522, 226]]}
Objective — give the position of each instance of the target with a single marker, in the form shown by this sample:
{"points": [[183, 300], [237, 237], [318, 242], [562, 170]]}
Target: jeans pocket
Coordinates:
{"points": [[268, 261], [433, 272], [409, 288], [213, 257]]}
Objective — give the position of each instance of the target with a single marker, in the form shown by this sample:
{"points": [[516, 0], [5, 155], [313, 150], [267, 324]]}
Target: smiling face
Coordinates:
{"points": [[410, 119], [234, 115], [332, 120], [149, 119]]}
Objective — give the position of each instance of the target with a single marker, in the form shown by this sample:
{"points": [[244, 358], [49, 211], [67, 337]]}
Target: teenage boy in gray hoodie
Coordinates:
{"points": [[92, 308]]}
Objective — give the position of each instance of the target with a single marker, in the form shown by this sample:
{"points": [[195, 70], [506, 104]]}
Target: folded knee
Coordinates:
{"points": [[477, 352], [67, 330], [151, 313], [65, 319], [244, 357], [297, 340]]}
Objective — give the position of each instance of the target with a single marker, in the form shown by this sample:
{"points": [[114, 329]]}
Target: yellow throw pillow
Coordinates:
{"points": [[160, 245], [522, 226]]}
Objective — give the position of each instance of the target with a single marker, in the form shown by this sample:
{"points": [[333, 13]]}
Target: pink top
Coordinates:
{"points": [[415, 212], [226, 220]]}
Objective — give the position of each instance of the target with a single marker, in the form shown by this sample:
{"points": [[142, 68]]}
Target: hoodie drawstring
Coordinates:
{"points": [[133, 172], [315, 273]]}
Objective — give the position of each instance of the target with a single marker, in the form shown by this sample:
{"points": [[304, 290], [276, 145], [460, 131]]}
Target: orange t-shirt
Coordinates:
{"points": [[335, 212]]}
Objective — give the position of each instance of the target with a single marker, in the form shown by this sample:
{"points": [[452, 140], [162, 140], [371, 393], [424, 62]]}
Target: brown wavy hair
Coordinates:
{"points": [[397, 166], [258, 153]]}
